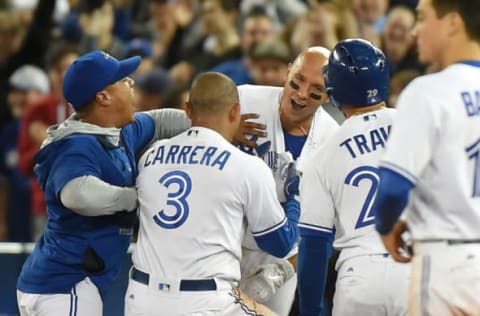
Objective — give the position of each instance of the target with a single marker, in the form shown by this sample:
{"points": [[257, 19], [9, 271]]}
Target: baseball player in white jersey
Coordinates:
{"points": [[296, 126], [197, 194], [431, 164], [337, 191]]}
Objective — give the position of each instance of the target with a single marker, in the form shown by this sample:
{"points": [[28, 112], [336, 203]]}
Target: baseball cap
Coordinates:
{"points": [[155, 81], [29, 77], [138, 46], [91, 73], [275, 49]]}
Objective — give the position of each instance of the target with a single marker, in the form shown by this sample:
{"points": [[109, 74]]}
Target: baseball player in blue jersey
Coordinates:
{"points": [[87, 168], [337, 191], [431, 165], [198, 194]]}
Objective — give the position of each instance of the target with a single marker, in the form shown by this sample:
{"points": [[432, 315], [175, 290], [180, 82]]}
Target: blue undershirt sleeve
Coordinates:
{"points": [[392, 197], [280, 241], [313, 255]]}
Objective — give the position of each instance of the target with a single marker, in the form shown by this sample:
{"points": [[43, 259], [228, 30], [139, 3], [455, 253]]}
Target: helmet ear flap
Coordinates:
{"points": [[328, 87]]}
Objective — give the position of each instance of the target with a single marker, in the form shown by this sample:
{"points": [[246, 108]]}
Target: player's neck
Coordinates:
{"points": [[465, 50], [297, 128], [214, 124], [349, 111]]}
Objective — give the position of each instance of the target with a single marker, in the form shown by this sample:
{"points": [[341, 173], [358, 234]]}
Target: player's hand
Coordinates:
{"points": [[394, 242], [249, 128], [292, 181]]}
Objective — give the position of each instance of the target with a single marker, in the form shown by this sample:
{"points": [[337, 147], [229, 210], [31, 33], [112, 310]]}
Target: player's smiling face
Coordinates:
{"points": [[304, 90]]}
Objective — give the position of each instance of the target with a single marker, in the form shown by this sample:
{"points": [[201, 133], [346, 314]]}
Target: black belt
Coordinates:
{"points": [[185, 285]]}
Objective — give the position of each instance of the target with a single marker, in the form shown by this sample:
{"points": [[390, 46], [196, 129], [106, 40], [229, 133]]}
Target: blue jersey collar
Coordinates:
{"points": [[475, 63]]}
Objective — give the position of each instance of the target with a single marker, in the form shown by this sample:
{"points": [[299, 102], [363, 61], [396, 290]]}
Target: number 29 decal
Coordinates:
{"points": [[176, 200]]}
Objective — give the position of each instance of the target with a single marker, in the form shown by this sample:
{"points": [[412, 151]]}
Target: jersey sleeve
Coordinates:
{"points": [[412, 140], [318, 210], [77, 159], [139, 133], [263, 210]]}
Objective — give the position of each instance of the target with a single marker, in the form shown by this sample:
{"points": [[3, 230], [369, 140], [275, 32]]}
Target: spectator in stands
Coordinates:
{"points": [[398, 42], [97, 21], [17, 51], [257, 27], [269, 63], [150, 89], [27, 85], [51, 110], [370, 15], [143, 48], [220, 43]]}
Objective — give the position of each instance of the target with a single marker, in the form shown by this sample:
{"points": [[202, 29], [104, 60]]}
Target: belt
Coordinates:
{"points": [[450, 241], [185, 285]]}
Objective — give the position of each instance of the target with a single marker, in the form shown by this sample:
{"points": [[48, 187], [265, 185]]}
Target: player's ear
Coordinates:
{"points": [[103, 98], [234, 113], [188, 109]]}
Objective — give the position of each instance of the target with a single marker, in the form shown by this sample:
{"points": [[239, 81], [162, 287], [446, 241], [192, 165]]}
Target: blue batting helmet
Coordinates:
{"points": [[357, 74]]}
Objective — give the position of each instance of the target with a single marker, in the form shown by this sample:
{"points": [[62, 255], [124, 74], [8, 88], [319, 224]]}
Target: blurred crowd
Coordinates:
{"points": [[252, 41]]}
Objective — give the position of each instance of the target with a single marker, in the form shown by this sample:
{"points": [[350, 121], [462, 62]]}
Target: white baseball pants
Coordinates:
{"points": [[83, 300], [445, 279], [371, 285]]}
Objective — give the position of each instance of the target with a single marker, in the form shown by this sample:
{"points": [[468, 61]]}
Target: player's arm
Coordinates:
{"points": [[392, 197], [90, 196], [316, 236], [313, 255], [274, 228], [75, 177], [169, 122], [409, 149]]}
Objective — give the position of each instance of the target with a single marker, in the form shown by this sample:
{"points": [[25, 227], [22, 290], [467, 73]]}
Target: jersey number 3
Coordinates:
{"points": [[181, 181], [357, 175]]}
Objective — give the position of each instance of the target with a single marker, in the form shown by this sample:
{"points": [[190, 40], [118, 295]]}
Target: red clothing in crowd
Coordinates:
{"points": [[49, 111]]}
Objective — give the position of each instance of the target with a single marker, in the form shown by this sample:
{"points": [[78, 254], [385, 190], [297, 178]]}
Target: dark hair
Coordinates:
{"points": [[57, 52], [468, 10], [88, 6], [257, 11]]}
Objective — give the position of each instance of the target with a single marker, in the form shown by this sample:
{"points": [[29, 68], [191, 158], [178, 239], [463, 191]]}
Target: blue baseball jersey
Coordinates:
{"points": [[58, 260]]}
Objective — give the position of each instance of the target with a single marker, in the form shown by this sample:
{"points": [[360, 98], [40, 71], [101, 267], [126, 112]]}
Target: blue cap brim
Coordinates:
{"points": [[127, 67]]}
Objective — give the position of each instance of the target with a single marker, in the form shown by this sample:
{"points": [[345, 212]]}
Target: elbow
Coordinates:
{"points": [[282, 251], [279, 242]]}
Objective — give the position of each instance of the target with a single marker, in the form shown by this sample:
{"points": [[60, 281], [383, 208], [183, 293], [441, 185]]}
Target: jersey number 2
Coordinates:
{"points": [[177, 199], [354, 178]]}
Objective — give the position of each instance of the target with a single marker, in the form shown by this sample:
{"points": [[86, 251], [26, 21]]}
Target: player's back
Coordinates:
{"points": [[348, 166], [194, 191], [444, 204]]}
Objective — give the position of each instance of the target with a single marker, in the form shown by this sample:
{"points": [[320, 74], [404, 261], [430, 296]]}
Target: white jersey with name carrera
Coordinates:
{"points": [[190, 230], [436, 146], [345, 177]]}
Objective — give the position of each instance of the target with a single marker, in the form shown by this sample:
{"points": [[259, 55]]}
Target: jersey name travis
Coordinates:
{"points": [[192, 155], [365, 143]]}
